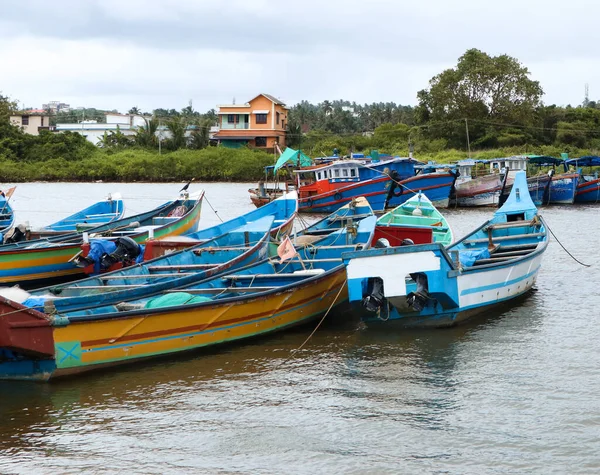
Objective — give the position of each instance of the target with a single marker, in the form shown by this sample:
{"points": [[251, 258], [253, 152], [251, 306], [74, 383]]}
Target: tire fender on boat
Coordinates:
{"points": [[337, 196]]}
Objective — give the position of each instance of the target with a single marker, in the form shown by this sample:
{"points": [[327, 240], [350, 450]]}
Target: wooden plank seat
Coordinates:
{"points": [[216, 248], [183, 266], [302, 274], [146, 276], [348, 217], [218, 290], [504, 238]]}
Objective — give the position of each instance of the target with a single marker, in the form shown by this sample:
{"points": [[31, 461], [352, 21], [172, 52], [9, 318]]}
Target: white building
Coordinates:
{"points": [[127, 124]]}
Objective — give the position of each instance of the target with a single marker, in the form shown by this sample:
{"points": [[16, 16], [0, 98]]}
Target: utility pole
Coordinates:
{"points": [[159, 136], [468, 143]]}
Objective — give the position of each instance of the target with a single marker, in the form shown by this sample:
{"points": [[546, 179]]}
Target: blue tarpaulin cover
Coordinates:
{"points": [[468, 258]]}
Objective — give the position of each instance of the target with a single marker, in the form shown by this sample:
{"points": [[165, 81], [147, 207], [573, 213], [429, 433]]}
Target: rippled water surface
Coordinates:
{"points": [[517, 390]]}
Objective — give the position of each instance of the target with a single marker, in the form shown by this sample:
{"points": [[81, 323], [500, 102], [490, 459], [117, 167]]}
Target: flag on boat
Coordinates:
{"points": [[286, 249]]}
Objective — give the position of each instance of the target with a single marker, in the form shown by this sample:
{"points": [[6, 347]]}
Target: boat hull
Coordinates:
{"points": [[86, 345], [481, 191], [435, 186], [563, 188], [588, 191]]}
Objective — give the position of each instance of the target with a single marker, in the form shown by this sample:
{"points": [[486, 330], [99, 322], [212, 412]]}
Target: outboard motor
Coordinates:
{"points": [[127, 251], [418, 300], [374, 300], [17, 234]]}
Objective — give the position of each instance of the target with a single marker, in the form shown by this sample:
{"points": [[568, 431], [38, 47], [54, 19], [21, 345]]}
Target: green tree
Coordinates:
{"points": [[482, 89], [145, 136], [177, 127]]}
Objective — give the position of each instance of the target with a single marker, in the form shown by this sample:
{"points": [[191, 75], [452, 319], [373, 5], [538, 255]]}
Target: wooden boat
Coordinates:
{"points": [[33, 263], [352, 212], [236, 248], [283, 209], [102, 212], [385, 183], [563, 186], [7, 215], [430, 285], [588, 186], [474, 190], [262, 298], [416, 219]]}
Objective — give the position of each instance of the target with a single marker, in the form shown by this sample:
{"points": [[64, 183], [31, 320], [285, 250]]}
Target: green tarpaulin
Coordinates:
{"points": [[291, 155]]}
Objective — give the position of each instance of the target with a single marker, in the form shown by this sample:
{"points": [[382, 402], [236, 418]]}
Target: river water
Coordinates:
{"points": [[517, 390]]}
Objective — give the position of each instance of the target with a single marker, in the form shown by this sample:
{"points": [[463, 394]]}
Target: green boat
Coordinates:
{"points": [[416, 221]]}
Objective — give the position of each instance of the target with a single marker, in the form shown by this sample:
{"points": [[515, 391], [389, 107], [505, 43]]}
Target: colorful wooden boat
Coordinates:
{"points": [[256, 300], [417, 220], [236, 248], [588, 186], [563, 186], [33, 263], [7, 215], [430, 285], [387, 183], [472, 189], [283, 209], [102, 212], [352, 212]]}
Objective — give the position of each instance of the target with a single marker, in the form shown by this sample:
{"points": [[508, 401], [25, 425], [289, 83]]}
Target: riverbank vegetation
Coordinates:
{"points": [[484, 107]]}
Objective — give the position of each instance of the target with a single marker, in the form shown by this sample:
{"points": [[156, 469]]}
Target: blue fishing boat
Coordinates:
{"points": [[35, 262], [588, 186], [262, 298], [430, 285], [283, 210], [563, 185], [352, 212], [385, 183], [7, 215], [101, 212], [236, 248]]}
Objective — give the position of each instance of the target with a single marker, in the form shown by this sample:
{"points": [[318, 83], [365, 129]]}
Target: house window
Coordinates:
{"points": [[277, 117], [231, 118], [261, 141], [25, 120], [42, 118], [261, 118]]}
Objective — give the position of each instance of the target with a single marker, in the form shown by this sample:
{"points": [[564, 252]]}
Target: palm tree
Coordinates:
{"points": [[199, 138], [145, 136], [134, 110], [177, 126]]}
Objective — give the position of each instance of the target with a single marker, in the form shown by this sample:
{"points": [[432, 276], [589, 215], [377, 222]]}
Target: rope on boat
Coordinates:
{"points": [[211, 207], [318, 324], [565, 249]]}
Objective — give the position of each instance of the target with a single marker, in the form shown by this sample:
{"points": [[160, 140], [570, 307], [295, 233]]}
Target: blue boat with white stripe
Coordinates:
{"points": [[430, 285]]}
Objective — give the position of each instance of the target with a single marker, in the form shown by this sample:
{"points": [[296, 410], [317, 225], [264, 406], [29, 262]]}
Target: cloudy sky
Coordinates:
{"points": [[114, 54]]}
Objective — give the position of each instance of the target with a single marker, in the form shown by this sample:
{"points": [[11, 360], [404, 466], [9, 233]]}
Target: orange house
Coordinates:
{"points": [[260, 123]]}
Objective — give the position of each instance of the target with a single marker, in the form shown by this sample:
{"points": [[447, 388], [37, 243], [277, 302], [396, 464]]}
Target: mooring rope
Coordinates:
{"points": [[564, 248], [211, 207]]}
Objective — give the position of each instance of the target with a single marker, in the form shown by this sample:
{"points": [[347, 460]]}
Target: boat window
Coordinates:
{"points": [[352, 172], [329, 173], [318, 175], [337, 173], [345, 172]]}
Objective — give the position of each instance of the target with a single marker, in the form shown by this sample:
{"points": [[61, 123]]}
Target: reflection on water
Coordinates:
{"points": [[514, 390]]}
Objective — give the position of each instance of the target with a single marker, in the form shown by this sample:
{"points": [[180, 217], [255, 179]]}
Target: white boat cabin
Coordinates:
{"points": [[510, 164], [336, 172]]}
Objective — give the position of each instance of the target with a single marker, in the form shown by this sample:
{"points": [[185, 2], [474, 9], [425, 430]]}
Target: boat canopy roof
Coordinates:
{"points": [[545, 160], [586, 161], [293, 156]]}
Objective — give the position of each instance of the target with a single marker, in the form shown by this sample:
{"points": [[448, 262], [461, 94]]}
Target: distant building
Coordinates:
{"points": [[56, 106], [93, 131], [31, 122], [260, 123]]}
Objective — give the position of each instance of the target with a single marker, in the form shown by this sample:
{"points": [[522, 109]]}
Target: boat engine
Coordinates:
{"points": [[374, 299], [126, 253], [418, 300]]}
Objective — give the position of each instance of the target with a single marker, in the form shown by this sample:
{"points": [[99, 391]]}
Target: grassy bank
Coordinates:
{"points": [[209, 164]]}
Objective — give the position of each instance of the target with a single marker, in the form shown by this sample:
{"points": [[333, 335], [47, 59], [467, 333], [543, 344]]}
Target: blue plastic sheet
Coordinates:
{"points": [[468, 258]]}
